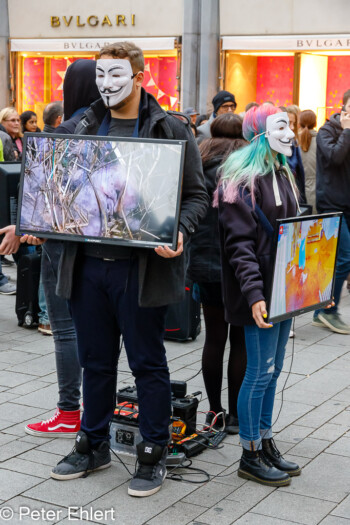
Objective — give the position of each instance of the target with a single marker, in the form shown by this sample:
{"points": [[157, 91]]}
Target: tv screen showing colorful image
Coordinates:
{"points": [[101, 189], [304, 265]]}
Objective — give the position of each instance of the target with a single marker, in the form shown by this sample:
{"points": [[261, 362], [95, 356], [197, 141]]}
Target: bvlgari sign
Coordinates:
{"points": [[286, 43], [92, 21]]}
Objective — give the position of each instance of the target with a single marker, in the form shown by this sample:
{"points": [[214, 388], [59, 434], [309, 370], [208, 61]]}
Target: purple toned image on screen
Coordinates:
{"points": [[113, 190]]}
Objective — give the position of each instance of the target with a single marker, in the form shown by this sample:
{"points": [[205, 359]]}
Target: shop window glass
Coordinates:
{"points": [[160, 80], [338, 81], [275, 80], [33, 82]]}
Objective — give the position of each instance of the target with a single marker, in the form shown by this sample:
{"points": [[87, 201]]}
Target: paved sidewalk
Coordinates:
{"points": [[313, 429]]}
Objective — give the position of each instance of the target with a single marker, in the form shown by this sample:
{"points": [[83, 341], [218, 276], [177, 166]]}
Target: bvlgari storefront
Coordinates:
{"points": [[310, 71], [44, 41]]}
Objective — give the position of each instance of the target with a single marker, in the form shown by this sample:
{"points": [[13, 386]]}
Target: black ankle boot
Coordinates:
{"points": [[275, 457], [219, 423], [231, 424], [256, 467]]}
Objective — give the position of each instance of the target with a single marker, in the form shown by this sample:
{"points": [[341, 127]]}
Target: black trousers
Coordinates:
{"points": [[104, 306]]}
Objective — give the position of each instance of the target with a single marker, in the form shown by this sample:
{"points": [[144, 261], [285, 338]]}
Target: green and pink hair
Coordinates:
{"points": [[241, 168]]}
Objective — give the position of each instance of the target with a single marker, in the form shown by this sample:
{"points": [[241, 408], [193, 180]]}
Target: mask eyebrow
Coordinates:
{"points": [[281, 120]]}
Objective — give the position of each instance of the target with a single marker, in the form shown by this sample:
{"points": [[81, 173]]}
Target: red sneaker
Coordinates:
{"points": [[64, 424]]}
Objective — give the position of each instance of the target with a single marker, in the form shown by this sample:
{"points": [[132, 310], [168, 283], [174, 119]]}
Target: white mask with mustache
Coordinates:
{"points": [[279, 134], [114, 80]]}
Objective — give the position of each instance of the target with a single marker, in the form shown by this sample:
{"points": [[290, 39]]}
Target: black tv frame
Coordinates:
{"points": [[103, 240], [322, 304]]}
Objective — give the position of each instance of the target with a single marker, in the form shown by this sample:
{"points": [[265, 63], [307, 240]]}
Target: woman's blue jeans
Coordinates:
{"points": [[66, 350], [265, 354]]}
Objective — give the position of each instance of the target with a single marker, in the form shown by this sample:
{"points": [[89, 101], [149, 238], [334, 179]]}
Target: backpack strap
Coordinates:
{"points": [[264, 221]]}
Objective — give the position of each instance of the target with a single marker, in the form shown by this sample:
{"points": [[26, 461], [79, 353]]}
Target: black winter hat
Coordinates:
{"points": [[222, 97]]}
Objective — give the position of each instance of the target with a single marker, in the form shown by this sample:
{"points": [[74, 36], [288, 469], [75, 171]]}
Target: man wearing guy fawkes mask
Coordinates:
{"points": [[115, 293]]}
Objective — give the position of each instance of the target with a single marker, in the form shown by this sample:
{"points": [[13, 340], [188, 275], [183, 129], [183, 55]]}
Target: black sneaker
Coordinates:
{"points": [[273, 454], [254, 465], [151, 471], [82, 460]]}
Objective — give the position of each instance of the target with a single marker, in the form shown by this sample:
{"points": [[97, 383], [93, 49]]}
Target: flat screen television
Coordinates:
{"points": [[304, 265], [123, 191], [9, 182]]}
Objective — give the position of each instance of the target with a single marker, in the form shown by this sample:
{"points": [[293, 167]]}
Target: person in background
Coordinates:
{"points": [[7, 147], [333, 195], [294, 161], [191, 113], [202, 119], [52, 116], [194, 129], [29, 121], [307, 142], [10, 120], [223, 102], [256, 186], [205, 270]]}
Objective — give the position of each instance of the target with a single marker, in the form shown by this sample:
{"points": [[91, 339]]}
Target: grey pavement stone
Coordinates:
{"points": [[13, 448], [45, 398], [11, 379], [327, 477], [224, 512], [343, 510], [301, 509], [250, 493], [14, 483], [38, 456], [309, 447], [27, 467], [40, 366], [209, 494], [17, 413], [294, 433], [329, 432], [344, 395], [341, 447], [180, 512], [290, 413], [257, 519], [11, 357], [26, 388], [20, 504], [6, 396], [334, 520], [323, 413]]}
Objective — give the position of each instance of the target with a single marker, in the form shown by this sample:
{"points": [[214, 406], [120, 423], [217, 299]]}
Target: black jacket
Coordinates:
{"points": [[333, 167], [246, 247], [205, 265], [161, 281]]}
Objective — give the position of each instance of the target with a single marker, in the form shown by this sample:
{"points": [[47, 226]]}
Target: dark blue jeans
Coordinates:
{"points": [[265, 354], [66, 350], [105, 307], [342, 268]]}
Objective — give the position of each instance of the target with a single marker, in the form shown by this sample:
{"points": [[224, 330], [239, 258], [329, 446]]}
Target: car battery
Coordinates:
{"points": [[124, 429], [185, 409]]}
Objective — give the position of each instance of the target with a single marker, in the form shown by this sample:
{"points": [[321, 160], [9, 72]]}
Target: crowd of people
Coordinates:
{"points": [[241, 172]]}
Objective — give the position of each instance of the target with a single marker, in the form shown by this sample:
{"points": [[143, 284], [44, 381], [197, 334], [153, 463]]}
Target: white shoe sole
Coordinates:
{"points": [[333, 328], [145, 493], [69, 435], [61, 477]]}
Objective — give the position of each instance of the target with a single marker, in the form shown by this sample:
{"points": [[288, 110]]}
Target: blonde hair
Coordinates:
{"points": [[6, 113]]}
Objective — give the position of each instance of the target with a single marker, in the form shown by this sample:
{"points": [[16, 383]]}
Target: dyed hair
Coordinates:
{"points": [[307, 121], [244, 165]]}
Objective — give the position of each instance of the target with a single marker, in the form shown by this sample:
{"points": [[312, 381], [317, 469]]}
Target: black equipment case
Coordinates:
{"points": [[183, 320]]}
